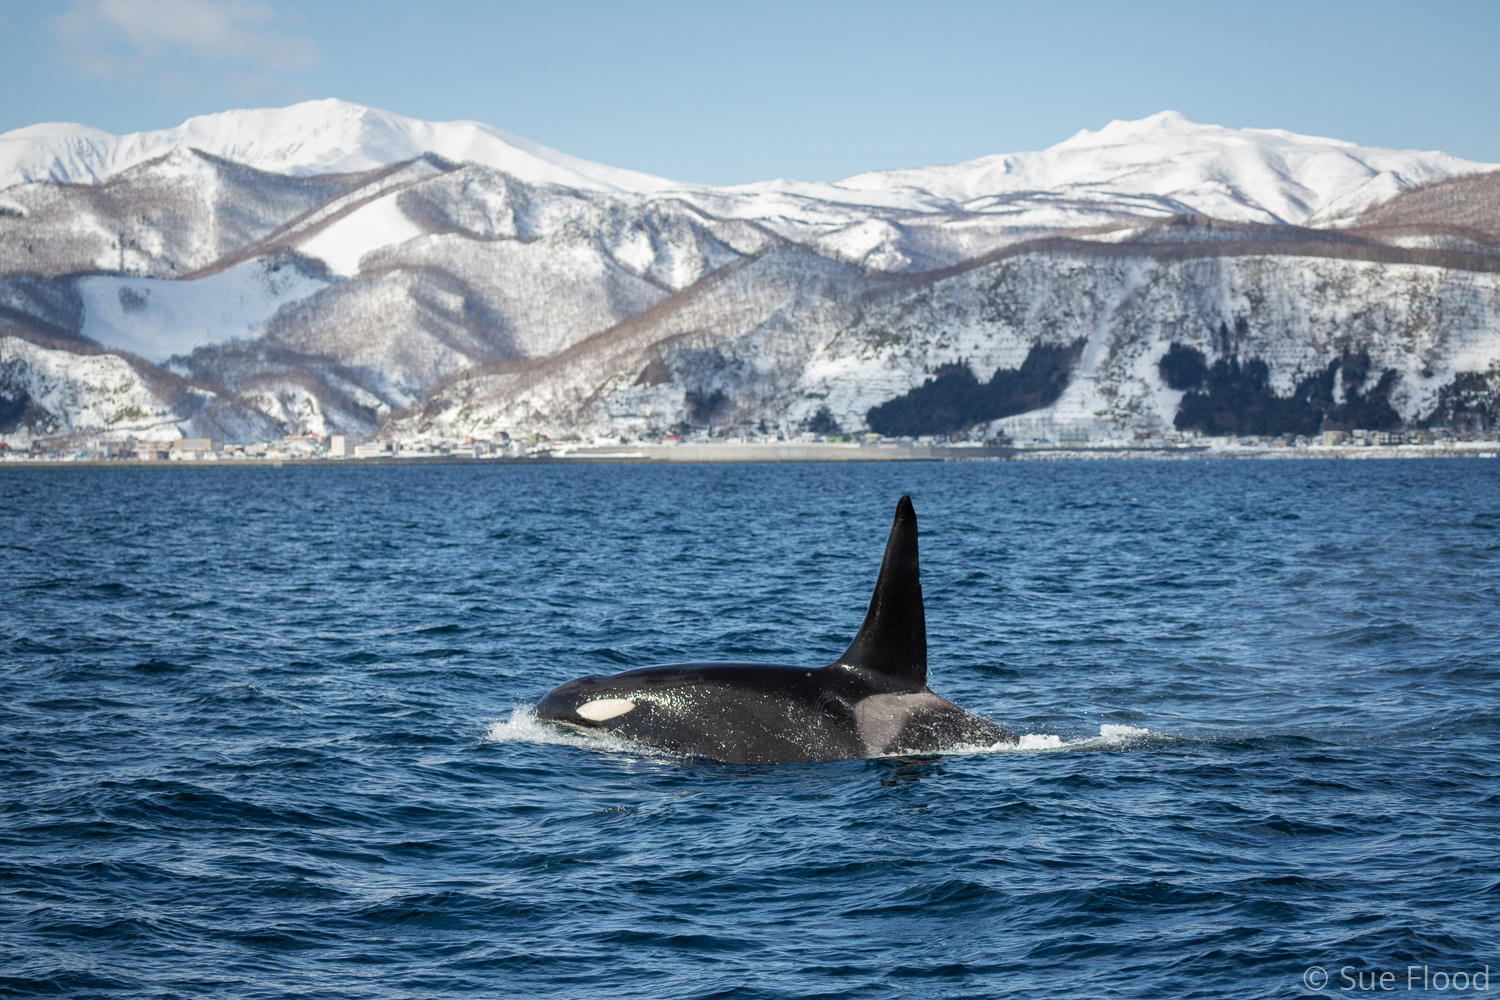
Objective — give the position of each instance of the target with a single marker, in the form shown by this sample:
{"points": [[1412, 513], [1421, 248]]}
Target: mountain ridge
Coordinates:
{"points": [[332, 136], [327, 136]]}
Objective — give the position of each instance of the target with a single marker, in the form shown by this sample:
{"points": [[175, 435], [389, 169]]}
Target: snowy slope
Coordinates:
{"points": [[1295, 313], [157, 319], [780, 350], [460, 268], [63, 393], [169, 216]]}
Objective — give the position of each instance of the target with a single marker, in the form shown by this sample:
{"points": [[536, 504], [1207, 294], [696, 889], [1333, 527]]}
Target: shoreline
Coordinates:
{"points": [[809, 452]]}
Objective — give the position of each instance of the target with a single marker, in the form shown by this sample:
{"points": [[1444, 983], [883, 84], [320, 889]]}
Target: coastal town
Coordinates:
{"points": [[1434, 442]]}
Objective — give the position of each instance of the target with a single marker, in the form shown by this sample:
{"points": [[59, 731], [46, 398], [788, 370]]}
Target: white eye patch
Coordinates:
{"points": [[605, 708]]}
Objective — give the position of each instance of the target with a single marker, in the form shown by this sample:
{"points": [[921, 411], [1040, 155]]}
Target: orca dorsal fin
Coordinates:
{"points": [[893, 639]]}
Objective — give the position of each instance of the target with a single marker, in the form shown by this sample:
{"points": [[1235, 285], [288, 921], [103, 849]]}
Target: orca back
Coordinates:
{"points": [[873, 701]]}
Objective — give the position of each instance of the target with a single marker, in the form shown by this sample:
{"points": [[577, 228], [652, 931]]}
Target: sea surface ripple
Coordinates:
{"points": [[264, 732]]}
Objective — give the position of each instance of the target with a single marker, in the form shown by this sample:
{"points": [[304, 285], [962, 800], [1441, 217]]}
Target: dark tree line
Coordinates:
{"points": [[1228, 397], [702, 407], [18, 411], [954, 399], [822, 422]]}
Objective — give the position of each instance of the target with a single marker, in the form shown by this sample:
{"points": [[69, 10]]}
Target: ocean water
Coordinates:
{"points": [[264, 733]]}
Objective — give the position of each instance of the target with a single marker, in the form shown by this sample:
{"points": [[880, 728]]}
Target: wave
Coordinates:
{"points": [[525, 727]]}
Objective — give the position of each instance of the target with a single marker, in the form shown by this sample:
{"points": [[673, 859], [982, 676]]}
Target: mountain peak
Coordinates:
{"points": [[1162, 121], [1162, 125]]}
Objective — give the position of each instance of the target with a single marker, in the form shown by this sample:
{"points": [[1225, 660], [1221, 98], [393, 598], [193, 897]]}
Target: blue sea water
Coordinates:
{"points": [[263, 732]]}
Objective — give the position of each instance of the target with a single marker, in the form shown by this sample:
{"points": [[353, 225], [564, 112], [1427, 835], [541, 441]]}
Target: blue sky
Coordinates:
{"points": [[728, 93]]}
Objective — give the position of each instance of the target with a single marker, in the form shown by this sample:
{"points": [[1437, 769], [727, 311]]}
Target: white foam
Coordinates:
{"points": [[524, 727], [1110, 737]]}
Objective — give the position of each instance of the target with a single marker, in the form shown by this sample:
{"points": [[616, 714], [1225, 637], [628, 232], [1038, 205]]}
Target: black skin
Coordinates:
{"points": [[761, 713], [873, 701], [735, 713]]}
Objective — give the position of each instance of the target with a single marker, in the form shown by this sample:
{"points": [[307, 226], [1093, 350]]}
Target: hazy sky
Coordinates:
{"points": [[732, 92]]}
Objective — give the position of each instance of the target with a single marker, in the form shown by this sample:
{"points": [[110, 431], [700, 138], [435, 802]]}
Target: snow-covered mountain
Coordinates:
{"points": [[332, 267], [315, 137], [1162, 165]]}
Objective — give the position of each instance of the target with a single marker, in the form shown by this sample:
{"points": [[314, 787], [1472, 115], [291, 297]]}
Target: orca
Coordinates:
{"points": [[873, 701]]}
